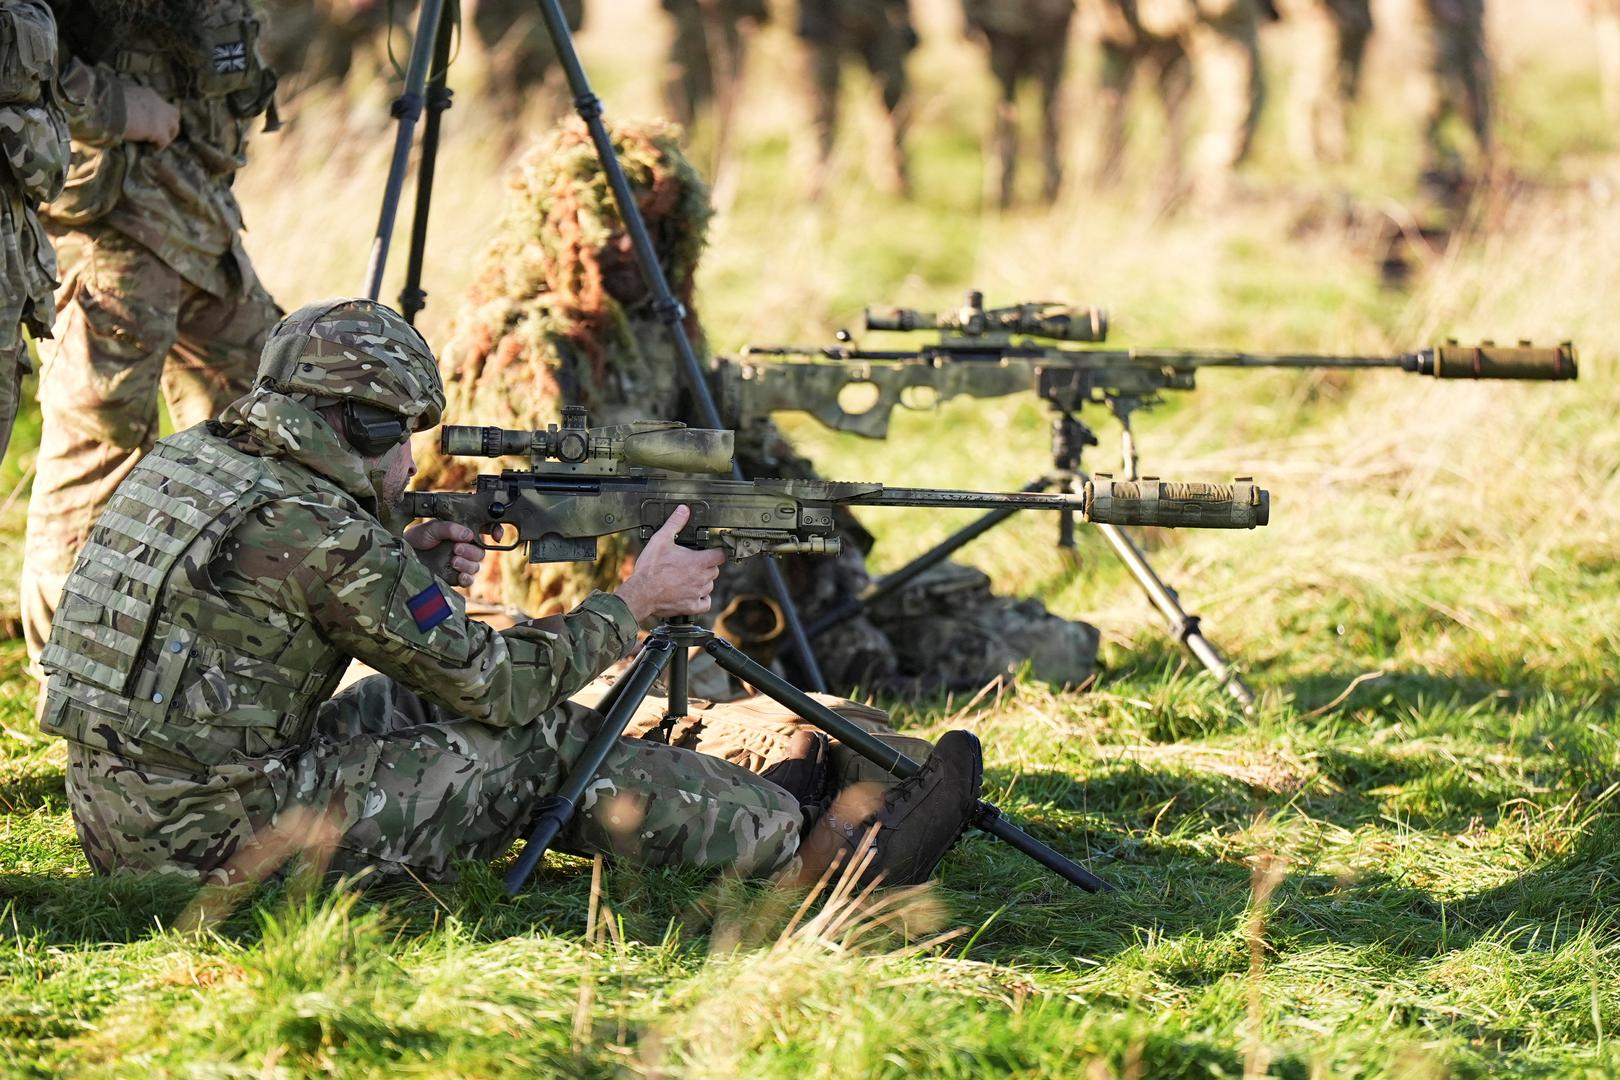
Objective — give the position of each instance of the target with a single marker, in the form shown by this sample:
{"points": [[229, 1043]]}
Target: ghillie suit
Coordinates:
{"points": [[560, 315]]}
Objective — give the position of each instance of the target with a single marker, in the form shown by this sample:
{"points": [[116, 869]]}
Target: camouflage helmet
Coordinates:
{"points": [[355, 350]]}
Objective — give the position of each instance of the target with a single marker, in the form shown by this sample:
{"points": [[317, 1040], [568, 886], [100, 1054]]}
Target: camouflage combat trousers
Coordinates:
{"points": [[392, 784], [1226, 66], [1462, 79], [882, 48], [13, 367], [127, 327], [1328, 40], [1040, 56]]}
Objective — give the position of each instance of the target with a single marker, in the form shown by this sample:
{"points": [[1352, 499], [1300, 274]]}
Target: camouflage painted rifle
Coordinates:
{"points": [[1003, 351], [587, 483]]}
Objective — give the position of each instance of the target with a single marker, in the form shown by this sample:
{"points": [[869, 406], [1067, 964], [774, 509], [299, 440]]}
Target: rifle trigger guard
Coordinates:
{"points": [[513, 546]]}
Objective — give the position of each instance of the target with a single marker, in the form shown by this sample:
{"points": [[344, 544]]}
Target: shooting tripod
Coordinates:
{"points": [[667, 649], [1070, 437], [425, 84]]}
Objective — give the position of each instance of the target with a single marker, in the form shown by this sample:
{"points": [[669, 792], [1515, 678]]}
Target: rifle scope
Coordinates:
{"points": [[1052, 320], [647, 444]]}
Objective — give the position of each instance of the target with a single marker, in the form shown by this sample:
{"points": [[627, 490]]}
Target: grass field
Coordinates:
{"points": [[1403, 865]]}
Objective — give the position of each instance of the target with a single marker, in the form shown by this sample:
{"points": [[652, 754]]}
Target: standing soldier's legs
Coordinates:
{"points": [[1119, 64], [412, 788], [1174, 81], [1006, 63], [690, 82], [216, 357], [127, 325], [885, 56], [13, 366], [1227, 53], [1462, 79], [825, 62], [1049, 59]]}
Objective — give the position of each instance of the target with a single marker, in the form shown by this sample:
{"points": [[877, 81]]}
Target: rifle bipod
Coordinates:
{"points": [[1069, 437], [666, 649]]}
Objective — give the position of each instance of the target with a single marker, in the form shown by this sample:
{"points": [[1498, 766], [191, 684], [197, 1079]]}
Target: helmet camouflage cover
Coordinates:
{"points": [[359, 350]]}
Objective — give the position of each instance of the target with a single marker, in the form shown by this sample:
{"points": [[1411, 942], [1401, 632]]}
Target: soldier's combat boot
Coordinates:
{"points": [[917, 820]]}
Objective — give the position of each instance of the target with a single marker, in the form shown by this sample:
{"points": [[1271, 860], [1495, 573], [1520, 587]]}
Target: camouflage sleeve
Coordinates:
{"points": [[370, 594], [93, 100]]}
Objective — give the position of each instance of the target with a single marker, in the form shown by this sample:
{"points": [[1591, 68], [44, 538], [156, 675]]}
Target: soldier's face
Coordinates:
{"points": [[399, 465]]}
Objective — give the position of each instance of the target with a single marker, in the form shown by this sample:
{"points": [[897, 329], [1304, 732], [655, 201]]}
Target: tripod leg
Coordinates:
{"points": [[1183, 627], [412, 298], [987, 818], [557, 809], [407, 109]]}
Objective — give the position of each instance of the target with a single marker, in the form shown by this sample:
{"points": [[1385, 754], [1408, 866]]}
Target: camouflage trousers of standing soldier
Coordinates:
{"points": [[13, 366], [392, 784], [127, 328], [1039, 55]]}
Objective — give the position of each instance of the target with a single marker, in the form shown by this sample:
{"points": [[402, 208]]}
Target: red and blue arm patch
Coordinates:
{"points": [[429, 608]]}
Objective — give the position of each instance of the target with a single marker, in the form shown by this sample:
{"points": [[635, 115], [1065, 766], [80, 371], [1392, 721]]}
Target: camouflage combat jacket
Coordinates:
{"points": [[233, 576], [33, 164], [176, 201]]}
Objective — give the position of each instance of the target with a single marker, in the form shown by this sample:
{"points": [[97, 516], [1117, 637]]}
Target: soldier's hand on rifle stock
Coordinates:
{"points": [[671, 580], [148, 117], [464, 558]]}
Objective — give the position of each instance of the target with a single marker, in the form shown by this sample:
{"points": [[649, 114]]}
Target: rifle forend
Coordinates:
{"points": [[561, 508]]}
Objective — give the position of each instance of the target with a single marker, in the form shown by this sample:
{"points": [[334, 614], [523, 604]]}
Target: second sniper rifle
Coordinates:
{"points": [[588, 483], [1000, 351]]}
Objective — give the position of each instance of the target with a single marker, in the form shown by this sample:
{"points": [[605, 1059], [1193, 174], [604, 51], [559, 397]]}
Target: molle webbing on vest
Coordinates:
{"points": [[111, 598]]}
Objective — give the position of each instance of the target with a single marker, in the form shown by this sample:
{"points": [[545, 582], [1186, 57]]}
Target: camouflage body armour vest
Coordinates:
{"points": [[146, 658]]}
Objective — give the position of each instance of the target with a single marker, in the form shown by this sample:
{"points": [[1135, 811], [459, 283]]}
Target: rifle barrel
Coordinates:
{"points": [[1106, 501]]}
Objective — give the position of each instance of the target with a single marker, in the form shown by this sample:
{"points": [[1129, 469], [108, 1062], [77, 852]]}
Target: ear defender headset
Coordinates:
{"points": [[373, 430]]}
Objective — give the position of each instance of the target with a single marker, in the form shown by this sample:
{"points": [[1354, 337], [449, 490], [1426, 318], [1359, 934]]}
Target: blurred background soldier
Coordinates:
{"points": [[1136, 36], [1028, 41], [1462, 90], [1211, 44], [157, 293], [33, 164], [517, 51], [707, 53], [1231, 80], [314, 42], [559, 314], [1329, 46], [880, 34]]}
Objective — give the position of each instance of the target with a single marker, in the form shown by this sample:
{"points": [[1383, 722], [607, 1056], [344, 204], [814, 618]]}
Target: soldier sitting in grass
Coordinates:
{"points": [[195, 658]]}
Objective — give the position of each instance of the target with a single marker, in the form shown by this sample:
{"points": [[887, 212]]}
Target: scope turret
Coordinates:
{"points": [[1044, 319], [645, 444]]}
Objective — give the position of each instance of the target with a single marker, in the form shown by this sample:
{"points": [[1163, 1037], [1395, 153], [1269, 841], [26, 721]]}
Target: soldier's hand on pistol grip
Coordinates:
{"points": [[451, 547], [148, 118], [671, 580]]}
